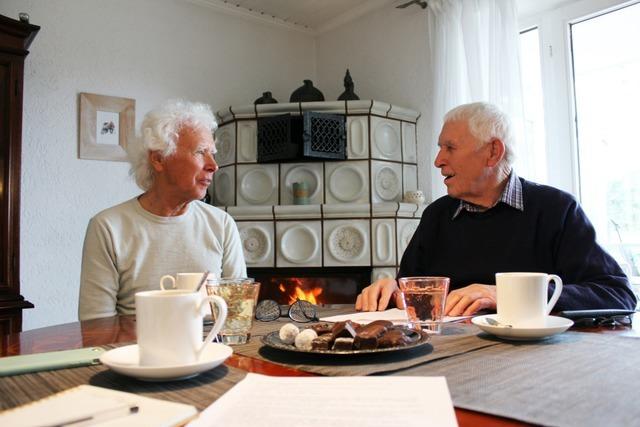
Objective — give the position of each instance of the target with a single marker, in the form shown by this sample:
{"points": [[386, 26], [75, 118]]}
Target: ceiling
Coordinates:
{"points": [[318, 16]]}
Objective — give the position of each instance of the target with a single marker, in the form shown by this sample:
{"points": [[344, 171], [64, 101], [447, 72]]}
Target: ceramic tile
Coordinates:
{"points": [[226, 145], [409, 149], [310, 173], [385, 139], [386, 182], [257, 184], [247, 141], [383, 241], [224, 184], [346, 243], [299, 244], [404, 230], [347, 182], [257, 243], [357, 137]]}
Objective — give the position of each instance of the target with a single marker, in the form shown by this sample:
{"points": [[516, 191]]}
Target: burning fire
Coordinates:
{"points": [[299, 293]]}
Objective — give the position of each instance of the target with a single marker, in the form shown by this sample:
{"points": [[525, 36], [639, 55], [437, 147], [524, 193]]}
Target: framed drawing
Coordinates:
{"points": [[106, 126]]}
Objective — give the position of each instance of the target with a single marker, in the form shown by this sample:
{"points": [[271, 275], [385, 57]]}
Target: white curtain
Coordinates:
{"points": [[474, 46]]}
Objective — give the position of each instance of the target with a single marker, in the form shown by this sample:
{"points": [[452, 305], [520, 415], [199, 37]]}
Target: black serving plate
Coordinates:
{"points": [[273, 340]]}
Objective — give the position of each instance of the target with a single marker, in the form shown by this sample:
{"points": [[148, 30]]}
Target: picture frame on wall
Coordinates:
{"points": [[106, 126]]}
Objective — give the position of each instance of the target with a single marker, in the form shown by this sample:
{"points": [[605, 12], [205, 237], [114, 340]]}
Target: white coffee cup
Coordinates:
{"points": [[184, 281], [522, 298], [169, 326]]}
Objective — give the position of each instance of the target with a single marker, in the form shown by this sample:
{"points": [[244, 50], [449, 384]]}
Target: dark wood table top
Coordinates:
{"points": [[121, 329]]}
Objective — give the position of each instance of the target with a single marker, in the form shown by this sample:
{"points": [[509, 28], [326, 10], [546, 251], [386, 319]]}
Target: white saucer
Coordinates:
{"points": [[554, 325], [125, 360]]}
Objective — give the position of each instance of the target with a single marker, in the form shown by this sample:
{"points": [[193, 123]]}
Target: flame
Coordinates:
{"points": [[299, 293]]}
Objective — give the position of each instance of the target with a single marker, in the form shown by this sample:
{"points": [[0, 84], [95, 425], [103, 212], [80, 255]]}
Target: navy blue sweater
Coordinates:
{"points": [[552, 235]]}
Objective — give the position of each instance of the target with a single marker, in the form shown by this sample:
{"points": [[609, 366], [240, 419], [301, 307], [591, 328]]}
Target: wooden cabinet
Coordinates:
{"points": [[15, 38]]}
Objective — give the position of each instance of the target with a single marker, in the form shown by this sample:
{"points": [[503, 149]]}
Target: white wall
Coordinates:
{"points": [[149, 50], [386, 52]]}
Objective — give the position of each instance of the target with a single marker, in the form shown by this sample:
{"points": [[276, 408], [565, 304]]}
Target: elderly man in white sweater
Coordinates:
{"points": [[166, 229]]}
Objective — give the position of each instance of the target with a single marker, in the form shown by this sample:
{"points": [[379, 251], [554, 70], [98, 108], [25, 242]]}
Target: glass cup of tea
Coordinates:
{"points": [[424, 299], [241, 296]]}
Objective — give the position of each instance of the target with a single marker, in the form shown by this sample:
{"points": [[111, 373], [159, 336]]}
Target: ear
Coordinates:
{"points": [[156, 160], [497, 151]]}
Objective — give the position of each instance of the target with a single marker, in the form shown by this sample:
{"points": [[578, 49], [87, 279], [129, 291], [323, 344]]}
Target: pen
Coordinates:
{"points": [[101, 416]]}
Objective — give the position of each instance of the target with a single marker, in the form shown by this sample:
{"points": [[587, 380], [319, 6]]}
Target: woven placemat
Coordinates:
{"points": [[199, 391], [573, 379]]}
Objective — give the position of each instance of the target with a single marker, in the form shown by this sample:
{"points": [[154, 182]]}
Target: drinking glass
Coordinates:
{"points": [[241, 295], [424, 299]]}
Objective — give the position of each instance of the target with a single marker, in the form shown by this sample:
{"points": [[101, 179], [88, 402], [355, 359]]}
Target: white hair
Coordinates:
{"points": [[486, 122], [159, 132]]}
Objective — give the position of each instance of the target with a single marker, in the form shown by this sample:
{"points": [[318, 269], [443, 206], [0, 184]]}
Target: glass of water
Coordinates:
{"points": [[241, 295], [424, 299]]}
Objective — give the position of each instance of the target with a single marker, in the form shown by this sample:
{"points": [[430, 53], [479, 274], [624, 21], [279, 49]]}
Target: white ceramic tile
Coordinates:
{"points": [[409, 177], [329, 107], [386, 182], [254, 213], [346, 210], [311, 173], [385, 139], [380, 108], [405, 230], [226, 144], [297, 212], [346, 243], [403, 113], [299, 244], [257, 243], [382, 273], [357, 137], [247, 141], [346, 182], [383, 240], [257, 184], [224, 184], [409, 151]]}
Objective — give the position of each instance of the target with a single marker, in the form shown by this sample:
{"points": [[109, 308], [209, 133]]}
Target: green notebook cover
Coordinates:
{"points": [[14, 365]]}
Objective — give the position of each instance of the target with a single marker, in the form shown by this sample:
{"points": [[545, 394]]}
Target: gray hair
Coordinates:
{"points": [[486, 122], [159, 132]]}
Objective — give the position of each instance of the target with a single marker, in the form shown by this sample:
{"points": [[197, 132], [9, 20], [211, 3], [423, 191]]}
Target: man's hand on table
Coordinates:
{"points": [[460, 302], [376, 296], [470, 299]]}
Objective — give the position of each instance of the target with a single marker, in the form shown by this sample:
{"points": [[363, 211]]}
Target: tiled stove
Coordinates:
{"points": [[356, 217]]}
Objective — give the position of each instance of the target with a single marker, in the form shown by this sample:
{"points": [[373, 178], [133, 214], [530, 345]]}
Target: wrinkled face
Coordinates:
{"points": [[463, 162], [187, 173]]}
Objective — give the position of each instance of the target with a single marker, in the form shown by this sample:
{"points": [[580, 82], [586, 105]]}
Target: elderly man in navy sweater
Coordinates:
{"points": [[493, 221]]}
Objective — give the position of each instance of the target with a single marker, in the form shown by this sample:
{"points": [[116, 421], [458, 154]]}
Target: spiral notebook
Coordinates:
{"points": [[90, 405]]}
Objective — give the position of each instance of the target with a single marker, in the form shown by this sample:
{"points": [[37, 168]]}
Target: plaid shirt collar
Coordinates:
{"points": [[511, 195]]}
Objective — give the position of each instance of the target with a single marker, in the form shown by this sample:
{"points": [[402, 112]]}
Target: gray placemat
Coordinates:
{"points": [[455, 339], [199, 391], [573, 379]]}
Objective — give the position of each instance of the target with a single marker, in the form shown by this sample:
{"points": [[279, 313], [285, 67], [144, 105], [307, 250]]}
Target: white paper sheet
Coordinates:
{"points": [[394, 315], [264, 401]]}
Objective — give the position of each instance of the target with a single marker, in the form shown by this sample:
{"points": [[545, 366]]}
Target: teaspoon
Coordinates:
{"points": [[494, 322]]}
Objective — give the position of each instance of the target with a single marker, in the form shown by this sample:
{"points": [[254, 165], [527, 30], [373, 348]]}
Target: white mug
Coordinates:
{"points": [[169, 326], [522, 298], [183, 281]]}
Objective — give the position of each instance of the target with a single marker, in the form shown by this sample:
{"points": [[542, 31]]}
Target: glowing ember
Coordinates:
{"points": [[299, 293]]}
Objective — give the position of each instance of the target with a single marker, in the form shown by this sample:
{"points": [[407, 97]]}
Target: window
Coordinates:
{"points": [[533, 149], [589, 62], [606, 71]]}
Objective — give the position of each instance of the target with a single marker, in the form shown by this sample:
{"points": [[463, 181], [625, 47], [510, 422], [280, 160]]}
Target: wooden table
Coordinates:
{"points": [[121, 329]]}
